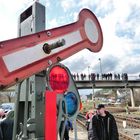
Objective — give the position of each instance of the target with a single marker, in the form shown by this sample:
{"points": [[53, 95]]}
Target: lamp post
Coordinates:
{"points": [[100, 65], [89, 72], [88, 69]]}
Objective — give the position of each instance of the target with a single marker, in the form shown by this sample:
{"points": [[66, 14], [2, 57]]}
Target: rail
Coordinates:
{"points": [[123, 136], [131, 122]]}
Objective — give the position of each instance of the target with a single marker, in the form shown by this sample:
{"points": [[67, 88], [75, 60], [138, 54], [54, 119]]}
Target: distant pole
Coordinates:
{"points": [[100, 66], [89, 72], [88, 69], [93, 91]]}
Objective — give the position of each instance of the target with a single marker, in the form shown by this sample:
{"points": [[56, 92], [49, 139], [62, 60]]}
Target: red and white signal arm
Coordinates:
{"points": [[22, 57], [60, 80]]}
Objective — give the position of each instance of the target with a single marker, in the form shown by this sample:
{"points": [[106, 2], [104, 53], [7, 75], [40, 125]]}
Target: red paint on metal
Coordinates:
{"points": [[50, 116]]}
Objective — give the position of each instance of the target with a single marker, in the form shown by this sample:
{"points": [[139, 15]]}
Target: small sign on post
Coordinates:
{"points": [[124, 124]]}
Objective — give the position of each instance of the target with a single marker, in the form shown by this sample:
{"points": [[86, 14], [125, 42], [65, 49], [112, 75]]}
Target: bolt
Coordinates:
{"points": [[58, 59], [47, 48], [38, 35]]}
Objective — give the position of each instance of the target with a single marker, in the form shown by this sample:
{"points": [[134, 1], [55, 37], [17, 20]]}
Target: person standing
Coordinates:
{"points": [[2, 115], [6, 126], [103, 126], [88, 117], [68, 126]]}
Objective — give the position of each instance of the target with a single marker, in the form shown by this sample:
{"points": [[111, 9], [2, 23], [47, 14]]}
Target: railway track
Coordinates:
{"points": [[131, 122], [122, 136]]}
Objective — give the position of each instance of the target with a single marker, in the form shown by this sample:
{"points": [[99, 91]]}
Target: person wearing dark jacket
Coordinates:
{"points": [[7, 126], [68, 126], [103, 126], [1, 135]]}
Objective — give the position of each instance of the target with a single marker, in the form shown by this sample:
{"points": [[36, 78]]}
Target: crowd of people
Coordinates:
{"points": [[97, 76], [101, 124]]}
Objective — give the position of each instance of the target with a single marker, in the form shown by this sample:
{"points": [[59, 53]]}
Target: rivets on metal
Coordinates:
{"points": [[49, 62], [59, 59], [1, 45], [48, 33]]}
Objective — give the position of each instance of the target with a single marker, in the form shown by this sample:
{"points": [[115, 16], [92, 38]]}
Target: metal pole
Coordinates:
{"points": [[100, 66], [75, 129], [88, 71], [92, 91], [24, 136], [132, 97], [16, 110]]}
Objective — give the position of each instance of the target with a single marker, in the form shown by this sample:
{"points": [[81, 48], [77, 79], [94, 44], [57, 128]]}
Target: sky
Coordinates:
{"points": [[119, 20]]}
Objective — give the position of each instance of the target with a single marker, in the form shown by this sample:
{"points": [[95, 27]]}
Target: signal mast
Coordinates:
{"points": [[24, 60]]}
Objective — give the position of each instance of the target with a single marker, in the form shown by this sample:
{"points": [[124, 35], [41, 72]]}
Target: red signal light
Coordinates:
{"points": [[58, 79]]}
